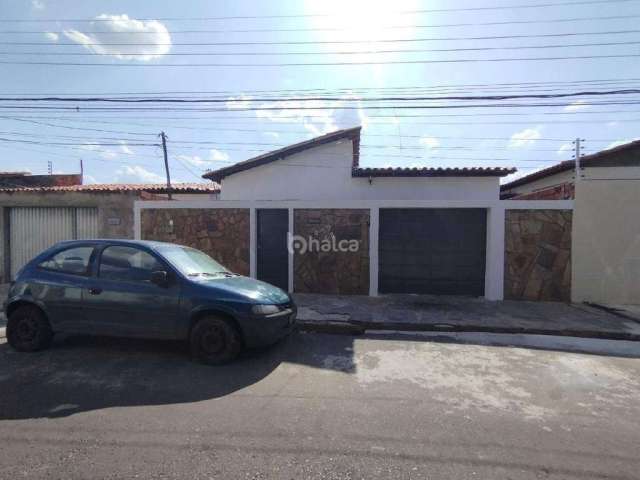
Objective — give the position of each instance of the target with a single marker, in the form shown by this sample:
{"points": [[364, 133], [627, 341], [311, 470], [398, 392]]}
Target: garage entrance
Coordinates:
{"points": [[33, 229], [438, 251]]}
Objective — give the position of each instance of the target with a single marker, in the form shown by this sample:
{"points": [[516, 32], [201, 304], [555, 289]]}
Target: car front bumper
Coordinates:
{"points": [[263, 330]]}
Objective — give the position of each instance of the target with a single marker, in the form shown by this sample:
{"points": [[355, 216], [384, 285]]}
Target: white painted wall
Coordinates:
{"points": [[324, 172], [606, 240]]}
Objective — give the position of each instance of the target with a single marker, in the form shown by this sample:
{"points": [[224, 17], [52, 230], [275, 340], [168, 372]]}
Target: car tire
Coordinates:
{"points": [[28, 330], [215, 341]]}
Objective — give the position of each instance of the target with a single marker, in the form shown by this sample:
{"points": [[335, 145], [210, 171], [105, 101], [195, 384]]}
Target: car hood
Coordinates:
{"points": [[255, 290]]}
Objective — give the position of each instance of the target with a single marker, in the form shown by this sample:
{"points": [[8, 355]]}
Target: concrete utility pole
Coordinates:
{"points": [[577, 155], [166, 164]]}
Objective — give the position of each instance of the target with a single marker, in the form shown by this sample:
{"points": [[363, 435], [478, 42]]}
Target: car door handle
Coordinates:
{"points": [[95, 291]]}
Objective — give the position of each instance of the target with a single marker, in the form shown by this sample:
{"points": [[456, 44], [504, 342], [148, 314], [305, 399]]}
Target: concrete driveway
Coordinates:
{"points": [[325, 406]]}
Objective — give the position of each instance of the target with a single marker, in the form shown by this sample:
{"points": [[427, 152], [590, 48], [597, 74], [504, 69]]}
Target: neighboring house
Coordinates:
{"points": [[606, 220], [558, 181], [33, 218], [26, 180]]}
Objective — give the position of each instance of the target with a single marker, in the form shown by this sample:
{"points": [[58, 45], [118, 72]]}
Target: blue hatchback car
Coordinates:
{"points": [[144, 289]]}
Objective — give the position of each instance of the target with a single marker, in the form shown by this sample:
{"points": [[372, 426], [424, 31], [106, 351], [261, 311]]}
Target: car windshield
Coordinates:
{"points": [[192, 262]]}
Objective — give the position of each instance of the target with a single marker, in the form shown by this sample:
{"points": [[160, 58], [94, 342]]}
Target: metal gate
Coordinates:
{"points": [[33, 229], [437, 251]]}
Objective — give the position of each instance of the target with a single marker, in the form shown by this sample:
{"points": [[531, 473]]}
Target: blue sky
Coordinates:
{"points": [[528, 137]]}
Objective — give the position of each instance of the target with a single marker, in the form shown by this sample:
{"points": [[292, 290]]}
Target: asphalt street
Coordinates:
{"points": [[384, 405]]}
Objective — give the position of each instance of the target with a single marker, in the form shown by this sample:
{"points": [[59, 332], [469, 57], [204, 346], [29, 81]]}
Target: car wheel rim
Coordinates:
{"points": [[213, 340], [26, 330]]}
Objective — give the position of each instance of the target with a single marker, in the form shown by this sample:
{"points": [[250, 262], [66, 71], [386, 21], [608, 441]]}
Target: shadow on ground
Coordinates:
{"points": [[86, 373]]}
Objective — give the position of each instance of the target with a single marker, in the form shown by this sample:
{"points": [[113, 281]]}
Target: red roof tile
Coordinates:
{"points": [[124, 187], [433, 172]]}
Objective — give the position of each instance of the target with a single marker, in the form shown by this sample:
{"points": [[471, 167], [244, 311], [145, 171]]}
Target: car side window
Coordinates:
{"points": [[72, 260], [127, 264]]}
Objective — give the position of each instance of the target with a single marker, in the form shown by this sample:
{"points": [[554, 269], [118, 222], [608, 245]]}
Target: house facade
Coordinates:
{"points": [[310, 218], [606, 220]]}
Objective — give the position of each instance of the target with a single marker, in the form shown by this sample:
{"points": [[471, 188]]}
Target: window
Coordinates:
{"points": [[127, 264], [72, 260]]}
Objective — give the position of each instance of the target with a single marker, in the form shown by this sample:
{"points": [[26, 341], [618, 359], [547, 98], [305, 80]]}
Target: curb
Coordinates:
{"points": [[359, 328]]}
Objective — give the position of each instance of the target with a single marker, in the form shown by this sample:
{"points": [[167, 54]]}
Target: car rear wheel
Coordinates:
{"points": [[28, 329], [215, 341]]}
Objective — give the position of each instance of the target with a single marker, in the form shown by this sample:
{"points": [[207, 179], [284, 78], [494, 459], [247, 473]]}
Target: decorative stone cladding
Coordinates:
{"points": [[332, 272], [538, 255], [223, 233]]}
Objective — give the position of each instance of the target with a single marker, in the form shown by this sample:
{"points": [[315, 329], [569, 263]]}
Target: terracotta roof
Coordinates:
{"points": [[592, 160], [432, 172], [124, 187], [351, 133]]}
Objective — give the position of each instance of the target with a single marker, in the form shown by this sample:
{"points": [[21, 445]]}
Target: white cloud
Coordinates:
{"points": [[218, 155], [525, 138], [122, 29], [241, 102], [89, 179], [54, 37], [613, 124], [274, 135], [199, 162], [617, 143], [316, 116], [124, 148], [37, 4], [137, 174], [577, 106], [429, 142], [565, 147], [103, 152]]}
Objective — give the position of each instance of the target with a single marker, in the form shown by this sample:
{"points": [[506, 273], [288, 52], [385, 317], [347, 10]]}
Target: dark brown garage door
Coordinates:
{"points": [[434, 251]]}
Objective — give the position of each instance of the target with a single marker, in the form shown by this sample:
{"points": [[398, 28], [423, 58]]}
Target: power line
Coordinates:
{"points": [[586, 93], [353, 52], [339, 29], [328, 42], [315, 15], [528, 85], [311, 64]]}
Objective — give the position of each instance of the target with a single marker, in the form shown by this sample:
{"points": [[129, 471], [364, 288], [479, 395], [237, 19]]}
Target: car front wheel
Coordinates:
{"points": [[28, 329], [215, 341]]}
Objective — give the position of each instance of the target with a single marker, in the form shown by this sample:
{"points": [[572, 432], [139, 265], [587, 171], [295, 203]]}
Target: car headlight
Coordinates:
{"points": [[265, 309]]}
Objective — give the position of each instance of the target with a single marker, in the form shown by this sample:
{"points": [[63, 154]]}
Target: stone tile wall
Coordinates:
{"points": [[332, 272], [223, 233], [538, 255]]}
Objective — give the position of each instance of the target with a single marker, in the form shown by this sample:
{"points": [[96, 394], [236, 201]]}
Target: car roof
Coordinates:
{"points": [[116, 241]]}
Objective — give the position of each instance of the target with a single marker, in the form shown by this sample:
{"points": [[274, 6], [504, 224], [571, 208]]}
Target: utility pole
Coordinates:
{"points": [[577, 155], [166, 164], [50, 167]]}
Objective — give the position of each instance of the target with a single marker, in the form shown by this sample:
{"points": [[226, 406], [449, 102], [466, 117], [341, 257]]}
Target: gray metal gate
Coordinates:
{"points": [[437, 251], [33, 229]]}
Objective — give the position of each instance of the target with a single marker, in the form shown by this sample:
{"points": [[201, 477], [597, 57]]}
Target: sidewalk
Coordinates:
{"points": [[355, 314], [460, 314]]}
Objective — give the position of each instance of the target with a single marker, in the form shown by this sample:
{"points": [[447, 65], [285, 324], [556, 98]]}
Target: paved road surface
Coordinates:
{"points": [[323, 406]]}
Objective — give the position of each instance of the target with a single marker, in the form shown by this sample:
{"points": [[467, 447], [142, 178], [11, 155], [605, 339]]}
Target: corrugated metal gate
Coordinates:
{"points": [[32, 229]]}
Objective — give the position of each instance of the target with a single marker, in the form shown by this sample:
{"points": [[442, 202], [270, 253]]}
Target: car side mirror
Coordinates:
{"points": [[160, 278]]}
